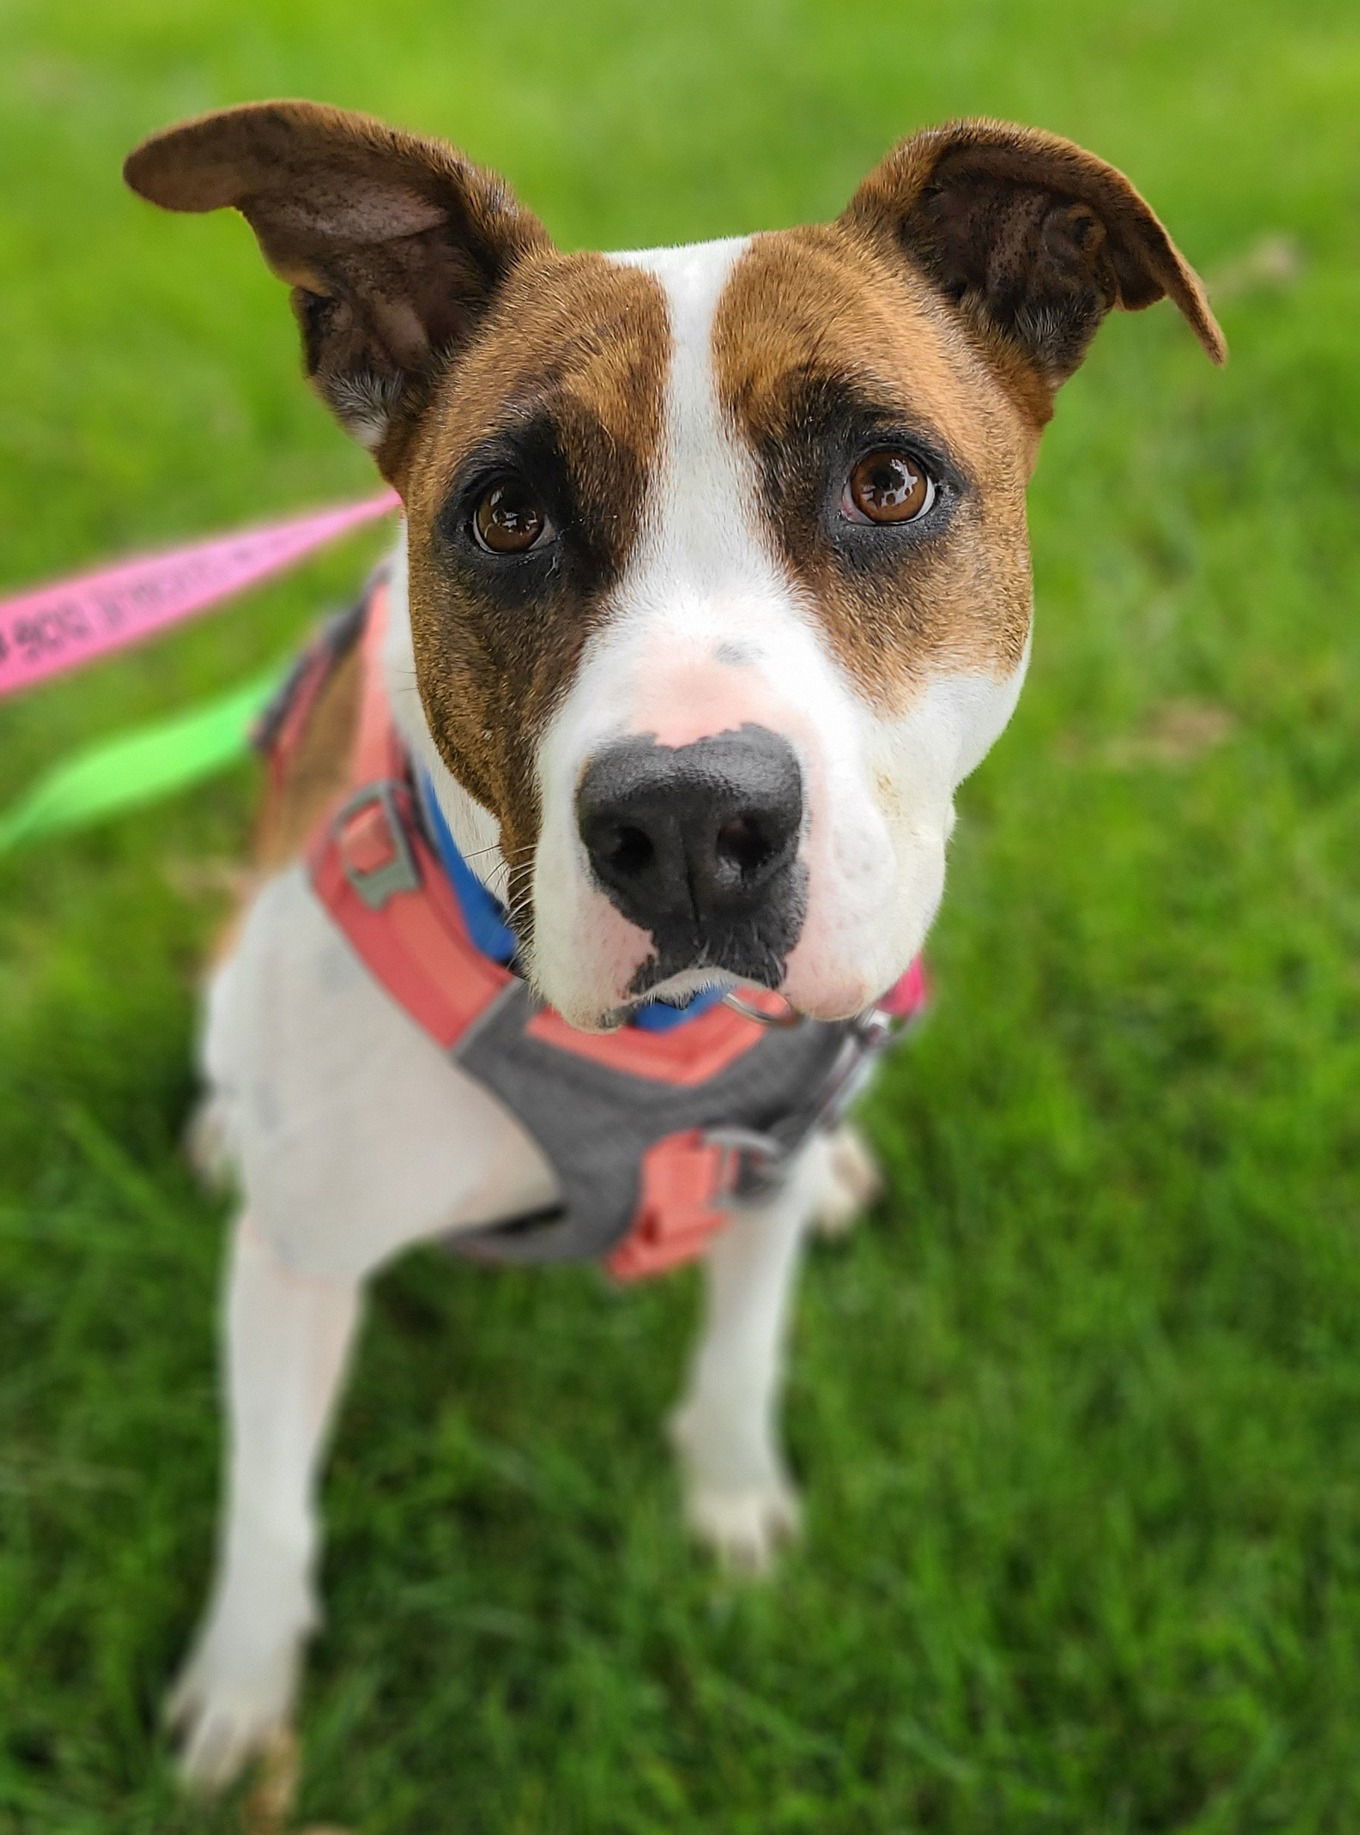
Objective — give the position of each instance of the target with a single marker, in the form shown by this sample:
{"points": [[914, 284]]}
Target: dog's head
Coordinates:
{"points": [[718, 569]]}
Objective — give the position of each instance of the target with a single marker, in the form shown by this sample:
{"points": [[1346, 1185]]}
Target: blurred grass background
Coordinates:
{"points": [[1079, 1410]]}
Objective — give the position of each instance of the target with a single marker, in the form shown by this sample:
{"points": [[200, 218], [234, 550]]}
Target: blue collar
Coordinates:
{"points": [[484, 916]]}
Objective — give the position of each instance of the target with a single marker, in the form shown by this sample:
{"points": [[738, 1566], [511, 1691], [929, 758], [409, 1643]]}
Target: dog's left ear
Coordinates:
{"points": [[1032, 238], [395, 247]]}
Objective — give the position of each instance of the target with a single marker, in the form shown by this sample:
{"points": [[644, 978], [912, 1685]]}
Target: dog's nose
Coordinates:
{"points": [[694, 833]]}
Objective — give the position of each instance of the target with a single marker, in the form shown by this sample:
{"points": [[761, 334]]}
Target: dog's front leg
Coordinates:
{"points": [[738, 1496], [287, 1340]]}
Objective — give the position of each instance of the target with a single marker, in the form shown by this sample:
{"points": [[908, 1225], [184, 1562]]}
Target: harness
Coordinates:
{"points": [[652, 1130]]}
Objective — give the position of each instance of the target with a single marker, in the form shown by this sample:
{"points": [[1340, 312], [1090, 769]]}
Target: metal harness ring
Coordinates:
{"points": [[781, 1021]]}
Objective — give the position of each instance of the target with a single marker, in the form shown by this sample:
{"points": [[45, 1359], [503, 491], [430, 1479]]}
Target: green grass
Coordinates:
{"points": [[1079, 1411]]}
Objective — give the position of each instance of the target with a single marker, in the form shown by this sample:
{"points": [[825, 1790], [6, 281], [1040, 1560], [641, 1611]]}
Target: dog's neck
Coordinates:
{"points": [[475, 830]]}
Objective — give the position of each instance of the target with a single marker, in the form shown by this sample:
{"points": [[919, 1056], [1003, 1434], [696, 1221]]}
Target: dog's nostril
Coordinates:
{"points": [[743, 843], [631, 850]]}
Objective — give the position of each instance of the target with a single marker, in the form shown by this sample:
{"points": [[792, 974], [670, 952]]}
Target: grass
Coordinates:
{"points": [[1079, 1411]]}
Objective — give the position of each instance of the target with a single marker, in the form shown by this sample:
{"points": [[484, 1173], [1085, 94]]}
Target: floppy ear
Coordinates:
{"points": [[393, 246], [1033, 239]]}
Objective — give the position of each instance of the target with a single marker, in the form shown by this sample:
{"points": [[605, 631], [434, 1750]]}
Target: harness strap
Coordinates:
{"points": [[375, 873], [281, 723]]}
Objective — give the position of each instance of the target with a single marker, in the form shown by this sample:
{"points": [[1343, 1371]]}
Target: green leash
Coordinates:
{"points": [[138, 766]]}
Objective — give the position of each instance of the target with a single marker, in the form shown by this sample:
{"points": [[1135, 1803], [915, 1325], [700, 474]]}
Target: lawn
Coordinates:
{"points": [[1078, 1409]]}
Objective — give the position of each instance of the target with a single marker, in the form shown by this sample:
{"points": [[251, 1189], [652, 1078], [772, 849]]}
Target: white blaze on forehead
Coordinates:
{"points": [[700, 570], [703, 474], [702, 594]]}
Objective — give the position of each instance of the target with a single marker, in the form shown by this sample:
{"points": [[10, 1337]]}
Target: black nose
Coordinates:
{"points": [[695, 837]]}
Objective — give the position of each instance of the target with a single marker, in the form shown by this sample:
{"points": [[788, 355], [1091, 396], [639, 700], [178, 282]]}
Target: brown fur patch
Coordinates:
{"points": [[570, 366], [813, 319]]}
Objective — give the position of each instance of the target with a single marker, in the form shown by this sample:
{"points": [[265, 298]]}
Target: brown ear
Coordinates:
{"points": [[1033, 239], [393, 246]]}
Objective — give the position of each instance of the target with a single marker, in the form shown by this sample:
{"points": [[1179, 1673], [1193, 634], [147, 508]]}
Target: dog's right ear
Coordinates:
{"points": [[1032, 239], [393, 246]]}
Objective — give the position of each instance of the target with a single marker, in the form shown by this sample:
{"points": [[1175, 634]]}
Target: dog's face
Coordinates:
{"points": [[719, 579]]}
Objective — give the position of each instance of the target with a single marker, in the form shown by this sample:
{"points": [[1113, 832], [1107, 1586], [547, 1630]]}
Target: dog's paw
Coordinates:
{"points": [[853, 1182], [745, 1527], [230, 1704]]}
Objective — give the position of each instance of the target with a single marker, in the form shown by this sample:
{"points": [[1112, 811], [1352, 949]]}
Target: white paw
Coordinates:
{"points": [[230, 1703], [746, 1526], [853, 1182]]}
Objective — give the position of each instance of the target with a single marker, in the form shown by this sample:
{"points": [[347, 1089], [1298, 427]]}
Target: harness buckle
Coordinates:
{"points": [[687, 1180], [764, 1007], [749, 1162], [372, 845]]}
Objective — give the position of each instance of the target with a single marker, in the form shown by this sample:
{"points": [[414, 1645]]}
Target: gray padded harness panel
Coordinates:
{"points": [[594, 1125]]}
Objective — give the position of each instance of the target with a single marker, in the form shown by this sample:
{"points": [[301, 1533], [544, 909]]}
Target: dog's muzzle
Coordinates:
{"points": [[698, 845]]}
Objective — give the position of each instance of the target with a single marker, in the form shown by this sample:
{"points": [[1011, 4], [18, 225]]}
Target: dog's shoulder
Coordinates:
{"points": [[313, 770], [308, 776]]}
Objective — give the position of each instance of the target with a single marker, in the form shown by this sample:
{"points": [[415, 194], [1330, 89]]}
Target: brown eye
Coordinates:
{"points": [[509, 519], [888, 487]]}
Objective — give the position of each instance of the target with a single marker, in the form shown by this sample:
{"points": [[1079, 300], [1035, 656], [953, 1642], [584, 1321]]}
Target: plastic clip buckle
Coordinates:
{"points": [[370, 839]]}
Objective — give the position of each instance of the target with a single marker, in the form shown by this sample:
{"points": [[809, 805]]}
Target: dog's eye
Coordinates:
{"points": [[509, 519], [888, 486]]}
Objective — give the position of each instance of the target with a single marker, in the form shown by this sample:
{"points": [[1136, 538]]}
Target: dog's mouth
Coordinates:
{"points": [[708, 975], [752, 947], [688, 961], [752, 967]]}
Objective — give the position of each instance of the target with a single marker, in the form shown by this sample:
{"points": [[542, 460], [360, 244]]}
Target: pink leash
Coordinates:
{"points": [[61, 627]]}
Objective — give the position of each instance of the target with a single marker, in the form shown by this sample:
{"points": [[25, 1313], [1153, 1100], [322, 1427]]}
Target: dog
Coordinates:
{"points": [[713, 587]]}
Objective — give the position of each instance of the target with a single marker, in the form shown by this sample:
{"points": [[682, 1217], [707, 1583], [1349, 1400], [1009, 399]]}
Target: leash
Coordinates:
{"points": [[138, 766], [61, 627], [58, 628]]}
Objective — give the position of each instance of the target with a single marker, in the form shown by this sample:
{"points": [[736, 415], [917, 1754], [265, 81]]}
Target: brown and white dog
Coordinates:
{"points": [[771, 487]]}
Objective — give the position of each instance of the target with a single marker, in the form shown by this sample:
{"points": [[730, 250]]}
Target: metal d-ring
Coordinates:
{"points": [[788, 1018]]}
